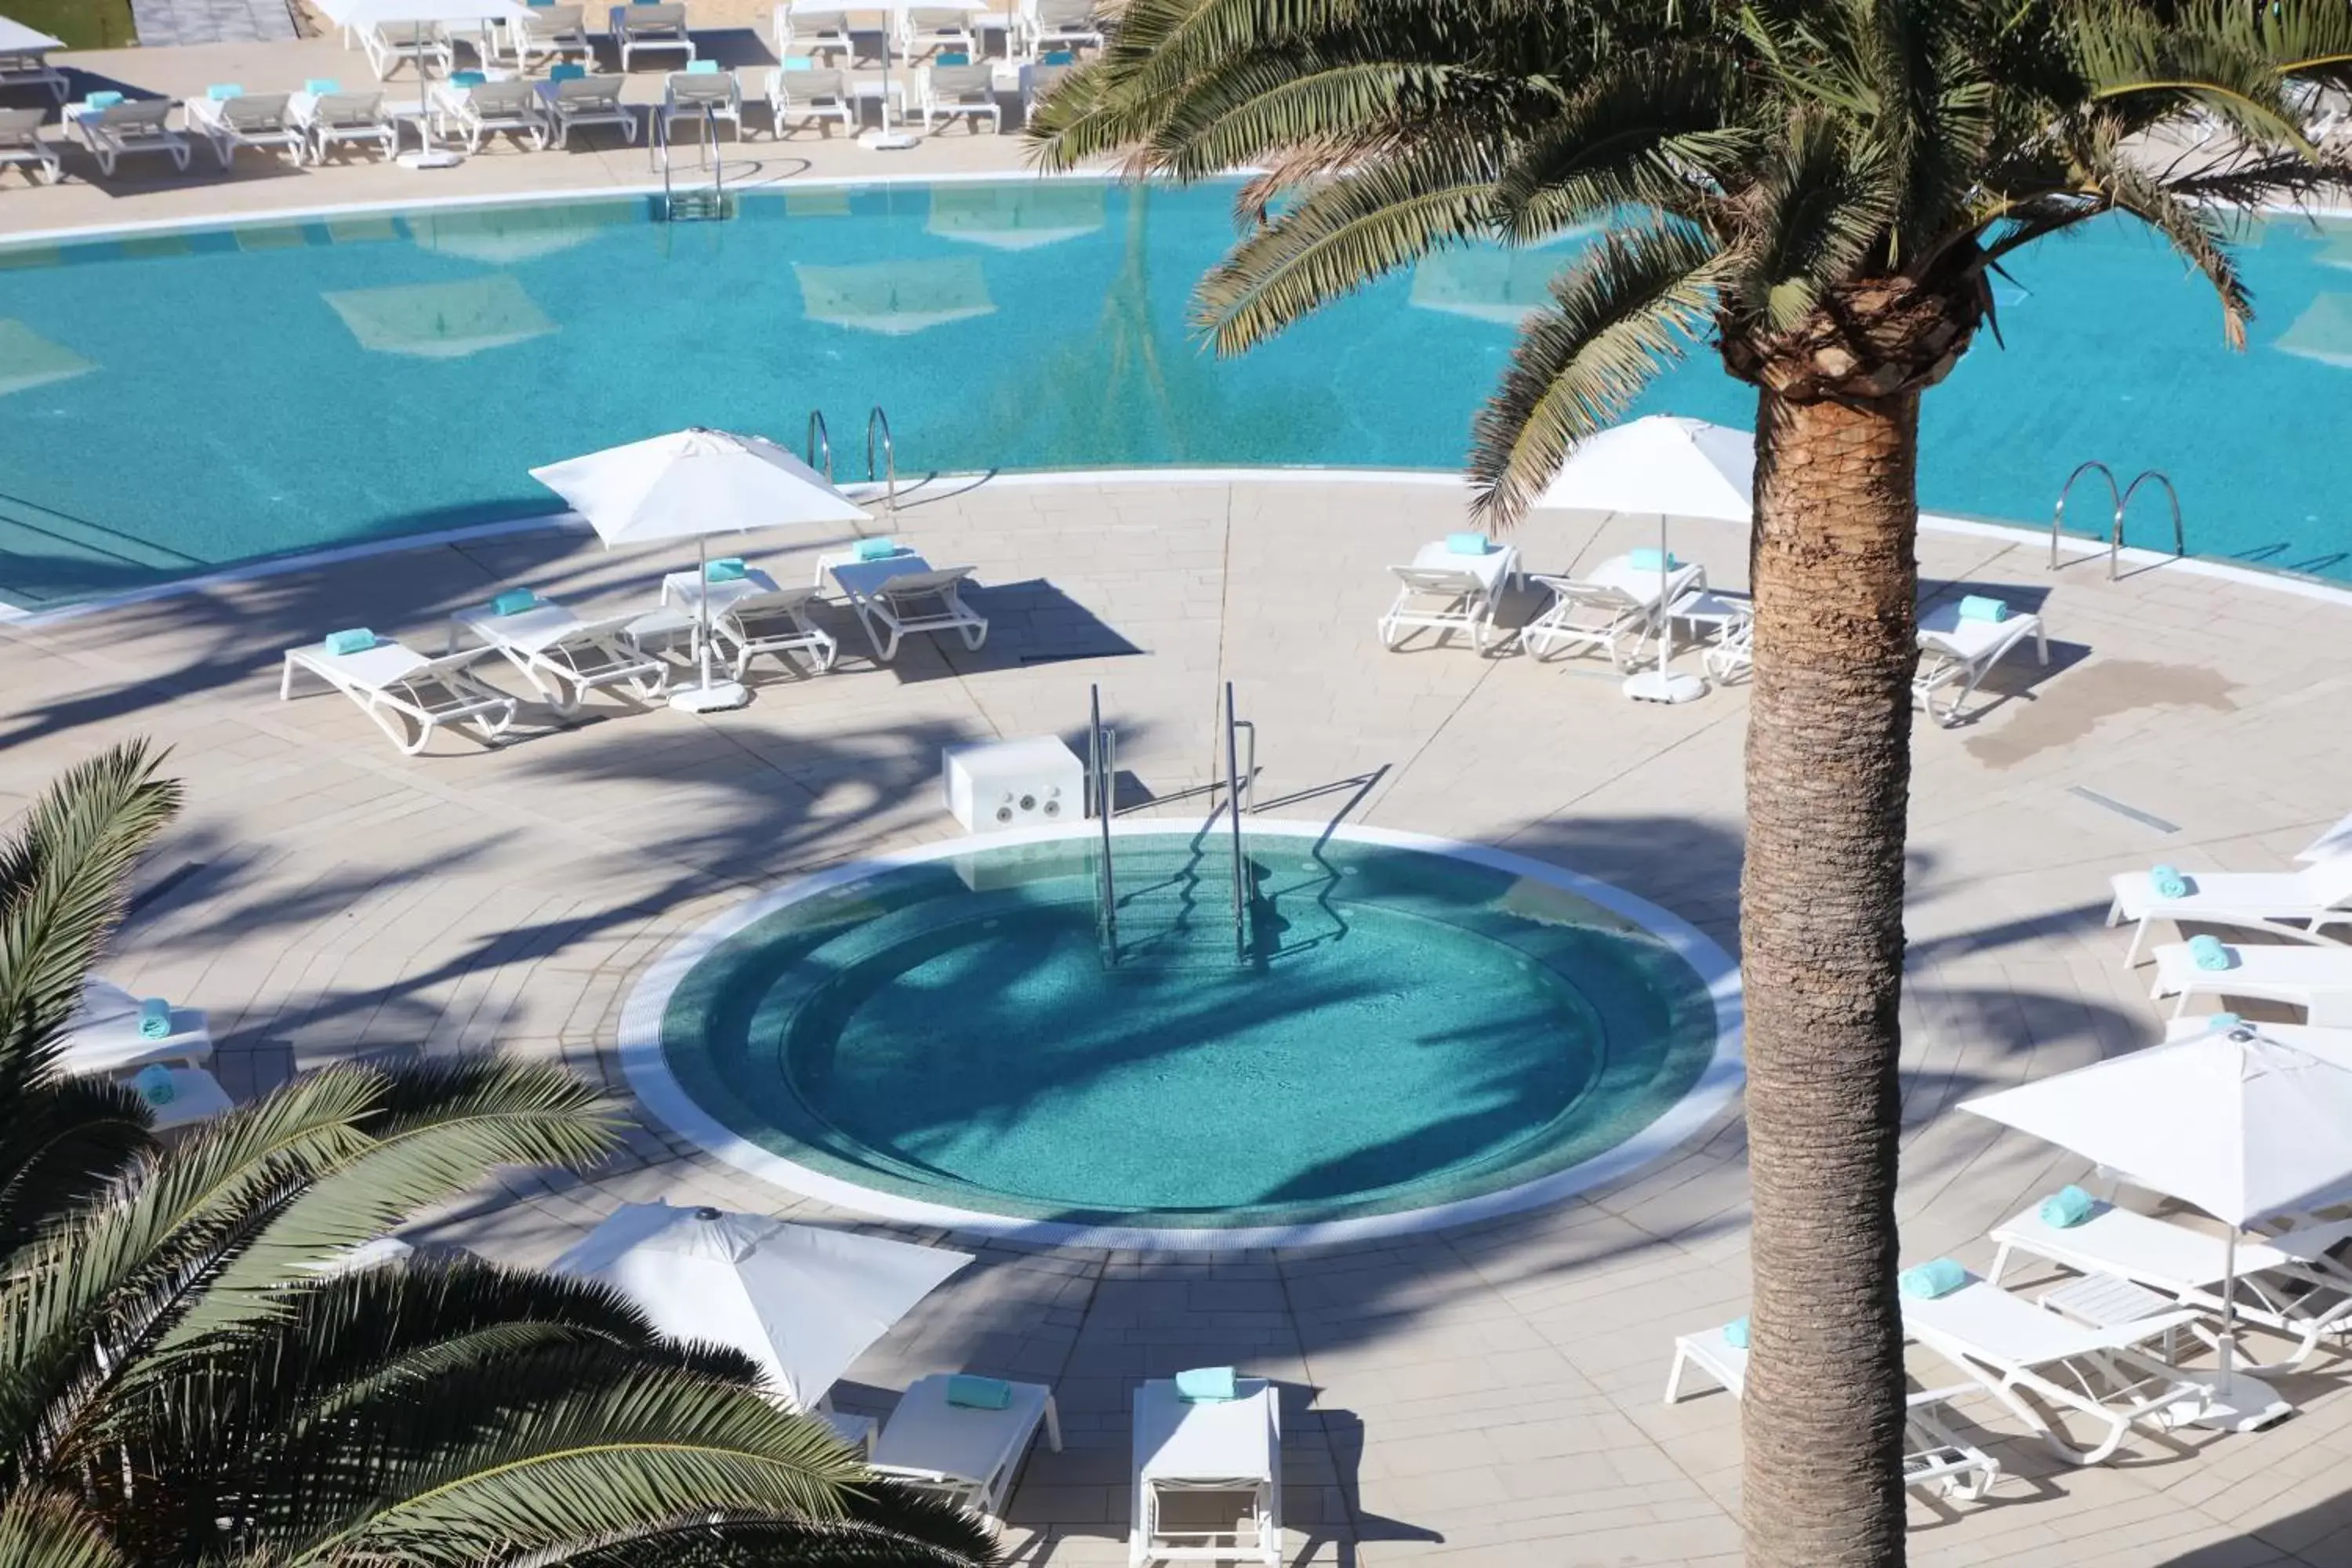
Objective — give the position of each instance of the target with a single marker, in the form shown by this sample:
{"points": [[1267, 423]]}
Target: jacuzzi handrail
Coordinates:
{"points": [[878, 420], [819, 440], [1234, 785]]}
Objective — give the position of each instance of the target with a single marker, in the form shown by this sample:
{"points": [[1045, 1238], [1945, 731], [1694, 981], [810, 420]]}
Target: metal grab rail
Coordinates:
{"points": [[657, 146], [2122, 497], [1233, 803], [819, 440], [1102, 782], [876, 419]]}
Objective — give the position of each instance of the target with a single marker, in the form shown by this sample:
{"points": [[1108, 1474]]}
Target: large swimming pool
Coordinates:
{"points": [[174, 402]]}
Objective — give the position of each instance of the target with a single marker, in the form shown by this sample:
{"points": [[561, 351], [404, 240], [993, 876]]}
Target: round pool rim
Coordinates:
{"points": [[657, 1089]]}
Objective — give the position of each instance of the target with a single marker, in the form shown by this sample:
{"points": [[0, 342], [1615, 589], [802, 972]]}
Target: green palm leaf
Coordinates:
{"points": [[51, 1529]]}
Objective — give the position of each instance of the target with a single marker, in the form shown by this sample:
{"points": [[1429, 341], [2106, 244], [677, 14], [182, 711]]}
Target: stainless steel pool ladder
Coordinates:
{"points": [[703, 203], [819, 445], [878, 424], [2121, 499], [1236, 783], [1102, 788]]}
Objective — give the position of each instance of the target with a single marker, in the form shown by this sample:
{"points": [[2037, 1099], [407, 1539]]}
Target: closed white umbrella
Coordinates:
{"points": [[1675, 467], [802, 1302], [2242, 1126], [691, 484]]}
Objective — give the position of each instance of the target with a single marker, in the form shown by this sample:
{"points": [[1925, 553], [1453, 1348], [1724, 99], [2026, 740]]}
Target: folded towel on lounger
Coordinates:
{"points": [[358, 639], [979, 1393], [2207, 953], [1930, 1280], [1206, 1386]]}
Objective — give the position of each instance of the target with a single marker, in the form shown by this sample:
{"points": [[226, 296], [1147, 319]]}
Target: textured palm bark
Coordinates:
{"points": [[1829, 762]]}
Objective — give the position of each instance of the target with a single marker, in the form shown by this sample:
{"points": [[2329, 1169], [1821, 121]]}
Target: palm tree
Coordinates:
{"points": [[1821, 188], [189, 1373]]}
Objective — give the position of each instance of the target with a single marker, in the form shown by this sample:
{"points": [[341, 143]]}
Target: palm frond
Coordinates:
{"points": [[887, 1526], [42, 1528], [62, 1143]]}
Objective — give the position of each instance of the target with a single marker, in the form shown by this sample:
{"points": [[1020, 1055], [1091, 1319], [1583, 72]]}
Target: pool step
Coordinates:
{"points": [[1178, 912], [698, 206]]}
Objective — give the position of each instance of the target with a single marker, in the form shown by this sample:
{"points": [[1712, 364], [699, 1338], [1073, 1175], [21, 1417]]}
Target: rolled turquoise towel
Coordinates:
{"points": [[875, 550], [567, 70], [727, 569], [702, 67], [979, 1393], [155, 1018], [514, 601], [1930, 1280], [1978, 608], [2207, 953], [2223, 1021], [319, 86], [223, 89], [358, 639], [1735, 1333], [466, 79], [1206, 1386], [2167, 881], [103, 99], [1647, 560], [2066, 1207], [1467, 544], [153, 1084]]}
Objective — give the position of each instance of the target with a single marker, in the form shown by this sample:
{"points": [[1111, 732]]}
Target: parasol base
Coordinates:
{"points": [[432, 158], [1664, 686], [2234, 1403], [887, 140], [712, 699]]}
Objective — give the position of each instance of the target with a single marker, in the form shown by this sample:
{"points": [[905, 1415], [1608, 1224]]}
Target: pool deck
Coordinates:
{"points": [[1483, 1395]]}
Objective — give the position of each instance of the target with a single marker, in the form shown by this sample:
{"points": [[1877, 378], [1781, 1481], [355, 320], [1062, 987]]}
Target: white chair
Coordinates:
{"points": [[136, 125], [2285, 1283], [389, 43], [774, 623], [1062, 25], [2316, 979], [103, 1034], [824, 34], [1616, 608], [640, 27], [701, 96], [486, 108], [339, 119], [21, 143], [2318, 895], [402, 691], [563, 657], [1445, 600], [31, 67], [1232, 1445], [819, 97], [924, 31], [2012, 1348], [1957, 653], [1934, 1456], [970, 1456], [969, 90], [904, 593], [574, 102], [552, 33], [263, 120]]}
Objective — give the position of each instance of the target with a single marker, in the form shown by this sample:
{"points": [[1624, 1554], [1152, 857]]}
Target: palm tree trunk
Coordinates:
{"points": [[1829, 769]]}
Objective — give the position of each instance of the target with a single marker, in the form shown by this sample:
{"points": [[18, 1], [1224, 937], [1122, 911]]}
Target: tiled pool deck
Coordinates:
{"points": [[1487, 1395]]}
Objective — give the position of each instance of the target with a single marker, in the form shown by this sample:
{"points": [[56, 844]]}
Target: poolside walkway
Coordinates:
{"points": [[1486, 1395]]}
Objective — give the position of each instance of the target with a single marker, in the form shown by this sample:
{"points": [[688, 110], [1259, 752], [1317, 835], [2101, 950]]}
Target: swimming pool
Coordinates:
{"points": [[1417, 1033], [180, 400]]}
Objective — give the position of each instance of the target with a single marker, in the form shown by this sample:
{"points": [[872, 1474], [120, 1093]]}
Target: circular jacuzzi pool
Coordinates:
{"points": [[1395, 1034]]}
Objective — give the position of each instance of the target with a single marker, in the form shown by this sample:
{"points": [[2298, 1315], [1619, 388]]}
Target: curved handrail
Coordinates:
{"points": [[2180, 538], [878, 420], [819, 440], [2058, 518]]}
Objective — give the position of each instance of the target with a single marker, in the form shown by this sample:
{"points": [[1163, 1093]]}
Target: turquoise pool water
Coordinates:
{"points": [[178, 402], [1408, 1029]]}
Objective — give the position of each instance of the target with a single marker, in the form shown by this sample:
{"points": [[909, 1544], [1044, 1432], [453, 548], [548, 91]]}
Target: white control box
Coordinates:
{"points": [[1005, 785]]}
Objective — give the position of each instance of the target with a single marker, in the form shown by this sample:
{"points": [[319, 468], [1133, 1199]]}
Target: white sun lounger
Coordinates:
{"points": [[331, 118], [563, 657], [1614, 608], [21, 143], [264, 120], [970, 1456], [31, 67], [2316, 979], [102, 1035], [552, 33], [1233, 1445], [1063, 25], [2319, 895], [1446, 593], [637, 27], [195, 1096], [402, 690], [700, 97], [1955, 654], [2011, 1347], [389, 43], [904, 593], [817, 96], [486, 108], [966, 90], [926, 29], [136, 125], [573, 103], [772, 623], [2188, 1268], [1934, 1457]]}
